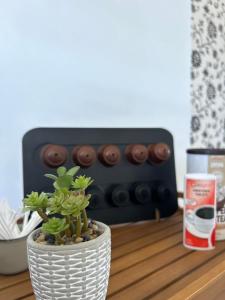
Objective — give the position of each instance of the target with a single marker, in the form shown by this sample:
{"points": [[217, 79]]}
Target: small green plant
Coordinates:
{"points": [[63, 211]]}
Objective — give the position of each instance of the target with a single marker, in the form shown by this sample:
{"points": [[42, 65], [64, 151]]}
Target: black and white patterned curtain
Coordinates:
{"points": [[208, 73]]}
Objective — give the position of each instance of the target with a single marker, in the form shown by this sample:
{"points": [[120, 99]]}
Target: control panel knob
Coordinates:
{"points": [[97, 198], [109, 155], [142, 193], [54, 155], [120, 196], [163, 193], [84, 156], [136, 153], [158, 153]]}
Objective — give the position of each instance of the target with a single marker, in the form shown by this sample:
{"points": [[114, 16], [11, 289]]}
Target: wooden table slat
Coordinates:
{"points": [[119, 229], [184, 281], [152, 284], [7, 281], [215, 291], [198, 286], [145, 268], [139, 243], [29, 298], [17, 291], [142, 229], [145, 253], [149, 262]]}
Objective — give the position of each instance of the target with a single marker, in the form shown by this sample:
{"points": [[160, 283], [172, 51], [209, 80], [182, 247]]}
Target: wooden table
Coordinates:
{"points": [[149, 262]]}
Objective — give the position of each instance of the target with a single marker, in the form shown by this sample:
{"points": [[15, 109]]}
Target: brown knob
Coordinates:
{"points": [[136, 153], [54, 155], [158, 153], [109, 155], [84, 156]]}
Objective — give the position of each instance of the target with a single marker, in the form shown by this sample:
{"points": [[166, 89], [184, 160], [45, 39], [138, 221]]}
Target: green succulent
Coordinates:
{"points": [[74, 204], [35, 201], [82, 182], [64, 179], [56, 201], [68, 201], [55, 226]]}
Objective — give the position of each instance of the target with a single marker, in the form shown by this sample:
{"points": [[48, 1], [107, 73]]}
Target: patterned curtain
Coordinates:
{"points": [[208, 73]]}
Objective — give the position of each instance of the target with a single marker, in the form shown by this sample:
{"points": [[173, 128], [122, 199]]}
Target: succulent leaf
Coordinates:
{"points": [[61, 171], [55, 202], [82, 182], [51, 176], [64, 181], [35, 201], [72, 172], [55, 226], [74, 204]]}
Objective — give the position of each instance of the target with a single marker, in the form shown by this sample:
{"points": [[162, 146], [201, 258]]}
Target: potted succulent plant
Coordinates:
{"points": [[69, 256]]}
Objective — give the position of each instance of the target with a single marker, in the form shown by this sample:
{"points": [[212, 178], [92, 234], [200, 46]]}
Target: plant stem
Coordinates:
{"points": [[59, 239], [73, 227], [42, 214], [68, 230], [85, 219], [78, 227]]}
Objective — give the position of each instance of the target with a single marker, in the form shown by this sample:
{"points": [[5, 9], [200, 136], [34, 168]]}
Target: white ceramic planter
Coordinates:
{"points": [[79, 271]]}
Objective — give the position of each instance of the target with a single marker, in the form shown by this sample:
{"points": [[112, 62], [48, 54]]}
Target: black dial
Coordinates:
{"points": [[142, 193], [120, 196]]}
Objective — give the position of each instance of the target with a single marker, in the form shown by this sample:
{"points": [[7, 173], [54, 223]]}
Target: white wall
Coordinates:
{"points": [[91, 63]]}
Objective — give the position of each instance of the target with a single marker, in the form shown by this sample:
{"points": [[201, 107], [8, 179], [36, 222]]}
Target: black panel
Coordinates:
{"points": [[123, 192]]}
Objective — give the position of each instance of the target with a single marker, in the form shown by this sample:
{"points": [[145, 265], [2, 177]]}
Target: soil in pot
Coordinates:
{"points": [[92, 233]]}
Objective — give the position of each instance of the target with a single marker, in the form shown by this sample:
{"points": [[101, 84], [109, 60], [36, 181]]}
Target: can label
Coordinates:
{"points": [[216, 166], [200, 213]]}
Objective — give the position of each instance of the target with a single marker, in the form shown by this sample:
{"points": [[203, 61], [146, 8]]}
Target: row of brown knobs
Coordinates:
{"points": [[110, 155]]}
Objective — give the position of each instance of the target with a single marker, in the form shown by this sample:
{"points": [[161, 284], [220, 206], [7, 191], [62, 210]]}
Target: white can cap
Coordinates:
{"points": [[200, 176]]}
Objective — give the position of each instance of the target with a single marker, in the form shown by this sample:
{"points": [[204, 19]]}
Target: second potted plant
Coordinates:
{"points": [[69, 256]]}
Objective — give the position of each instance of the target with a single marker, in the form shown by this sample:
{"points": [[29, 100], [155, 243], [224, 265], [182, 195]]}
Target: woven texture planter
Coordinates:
{"points": [[79, 271]]}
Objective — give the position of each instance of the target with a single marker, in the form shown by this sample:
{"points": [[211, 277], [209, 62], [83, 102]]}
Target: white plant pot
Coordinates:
{"points": [[79, 271]]}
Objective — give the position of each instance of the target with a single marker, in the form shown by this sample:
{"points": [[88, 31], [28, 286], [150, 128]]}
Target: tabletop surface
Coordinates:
{"points": [[149, 262]]}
